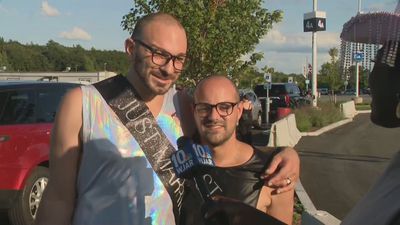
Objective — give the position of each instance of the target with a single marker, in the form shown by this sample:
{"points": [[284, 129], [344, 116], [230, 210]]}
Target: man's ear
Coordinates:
{"points": [[129, 46]]}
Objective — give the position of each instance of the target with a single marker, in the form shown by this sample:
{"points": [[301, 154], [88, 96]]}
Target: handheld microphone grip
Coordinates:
{"points": [[190, 162]]}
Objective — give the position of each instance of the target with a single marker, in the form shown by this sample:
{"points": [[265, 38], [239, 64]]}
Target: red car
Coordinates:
{"points": [[27, 112]]}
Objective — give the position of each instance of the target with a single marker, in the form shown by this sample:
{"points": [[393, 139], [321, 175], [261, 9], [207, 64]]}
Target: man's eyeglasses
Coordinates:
{"points": [[161, 58], [223, 108]]}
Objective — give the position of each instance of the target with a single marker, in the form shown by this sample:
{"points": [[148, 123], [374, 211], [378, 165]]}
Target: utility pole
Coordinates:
{"points": [[314, 21], [314, 62], [357, 61]]}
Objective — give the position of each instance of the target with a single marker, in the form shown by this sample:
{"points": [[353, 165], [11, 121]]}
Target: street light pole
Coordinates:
{"points": [[314, 62], [357, 62], [313, 22]]}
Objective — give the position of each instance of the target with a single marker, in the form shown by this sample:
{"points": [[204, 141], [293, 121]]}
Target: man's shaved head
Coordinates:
{"points": [[167, 19], [217, 79]]}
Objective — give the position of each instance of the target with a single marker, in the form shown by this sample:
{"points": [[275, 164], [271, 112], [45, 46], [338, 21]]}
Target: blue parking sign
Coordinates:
{"points": [[358, 56]]}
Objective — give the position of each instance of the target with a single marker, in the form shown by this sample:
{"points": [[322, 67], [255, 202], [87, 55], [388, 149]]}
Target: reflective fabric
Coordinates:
{"points": [[114, 172]]}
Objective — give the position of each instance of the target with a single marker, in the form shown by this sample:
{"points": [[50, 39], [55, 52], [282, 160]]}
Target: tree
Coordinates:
{"points": [[219, 32], [330, 72]]}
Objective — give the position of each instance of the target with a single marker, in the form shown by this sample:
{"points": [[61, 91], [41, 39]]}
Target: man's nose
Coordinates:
{"points": [[213, 113], [168, 68]]}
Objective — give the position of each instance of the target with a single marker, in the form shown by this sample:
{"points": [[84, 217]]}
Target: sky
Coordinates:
{"points": [[97, 23]]}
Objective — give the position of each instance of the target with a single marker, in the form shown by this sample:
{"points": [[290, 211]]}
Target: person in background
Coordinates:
{"points": [[246, 121], [380, 204]]}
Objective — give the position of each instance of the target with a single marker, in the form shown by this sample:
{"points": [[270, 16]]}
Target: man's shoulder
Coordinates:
{"points": [[260, 157]]}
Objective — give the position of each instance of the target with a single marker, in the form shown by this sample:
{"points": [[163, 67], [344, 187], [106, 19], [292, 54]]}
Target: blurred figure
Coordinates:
{"points": [[246, 121], [380, 204]]}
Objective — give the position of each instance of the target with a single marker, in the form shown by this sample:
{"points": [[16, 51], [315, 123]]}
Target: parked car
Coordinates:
{"points": [[257, 109], [350, 92], [27, 112], [365, 91], [323, 91], [282, 95]]}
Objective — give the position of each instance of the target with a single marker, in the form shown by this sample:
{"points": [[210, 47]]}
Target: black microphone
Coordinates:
{"points": [[190, 161]]}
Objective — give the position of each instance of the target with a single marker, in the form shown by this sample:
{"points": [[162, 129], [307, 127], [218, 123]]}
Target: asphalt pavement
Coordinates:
{"points": [[339, 166], [4, 218]]}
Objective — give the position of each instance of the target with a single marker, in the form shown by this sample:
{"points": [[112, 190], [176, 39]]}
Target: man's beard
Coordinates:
{"points": [[216, 139], [146, 79]]}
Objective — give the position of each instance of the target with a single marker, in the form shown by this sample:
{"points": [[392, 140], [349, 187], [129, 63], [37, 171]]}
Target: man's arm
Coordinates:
{"points": [[282, 206], [58, 200], [284, 165], [224, 211]]}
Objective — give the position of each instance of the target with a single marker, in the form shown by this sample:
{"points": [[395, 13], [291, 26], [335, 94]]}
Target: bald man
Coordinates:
{"points": [[103, 167], [217, 110]]}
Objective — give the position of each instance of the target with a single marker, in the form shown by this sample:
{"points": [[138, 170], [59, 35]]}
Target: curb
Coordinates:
{"points": [[312, 216], [333, 125], [364, 111], [327, 128]]}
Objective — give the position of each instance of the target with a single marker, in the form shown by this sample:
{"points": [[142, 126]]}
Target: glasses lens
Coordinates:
{"points": [[225, 108], [179, 63], [202, 109], [160, 59]]}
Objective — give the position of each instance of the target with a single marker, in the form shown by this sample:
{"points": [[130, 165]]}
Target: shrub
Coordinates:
{"points": [[310, 118]]}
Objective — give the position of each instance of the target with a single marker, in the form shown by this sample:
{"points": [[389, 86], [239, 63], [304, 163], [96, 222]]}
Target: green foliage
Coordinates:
{"points": [[220, 32], [365, 106], [310, 118], [56, 57], [363, 78], [298, 210], [279, 77], [330, 72]]}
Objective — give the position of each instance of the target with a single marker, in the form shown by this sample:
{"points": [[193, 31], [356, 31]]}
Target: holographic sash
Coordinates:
{"points": [[123, 99]]}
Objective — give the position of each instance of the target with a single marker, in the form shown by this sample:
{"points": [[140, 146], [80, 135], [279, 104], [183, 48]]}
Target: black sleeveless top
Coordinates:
{"points": [[242, 183]]}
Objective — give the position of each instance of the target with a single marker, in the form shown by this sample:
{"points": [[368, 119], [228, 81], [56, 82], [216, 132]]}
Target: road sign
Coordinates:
{"points": [[290, 80], [358, 56], [268, 77], [307, 81], [314, 21]]}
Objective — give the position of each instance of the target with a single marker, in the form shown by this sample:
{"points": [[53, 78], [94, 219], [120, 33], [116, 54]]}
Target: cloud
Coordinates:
{"points": [[288, 52], [297, 43], [290, 62], [77, 33], [49, 10], [389, 6], [2, 8]]}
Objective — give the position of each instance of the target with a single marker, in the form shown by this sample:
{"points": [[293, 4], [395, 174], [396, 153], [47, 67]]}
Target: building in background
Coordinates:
{"points": [[347, 51], [73, 77]]}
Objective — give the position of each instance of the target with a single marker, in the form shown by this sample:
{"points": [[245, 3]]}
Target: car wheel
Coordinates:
{"points": [[25, 208]]}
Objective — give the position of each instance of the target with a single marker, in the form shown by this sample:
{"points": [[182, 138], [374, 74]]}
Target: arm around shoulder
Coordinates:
{"points": [[58, 200]]}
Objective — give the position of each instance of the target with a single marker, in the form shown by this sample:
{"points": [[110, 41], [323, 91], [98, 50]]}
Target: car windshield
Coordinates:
{"points": [[277, 90]]}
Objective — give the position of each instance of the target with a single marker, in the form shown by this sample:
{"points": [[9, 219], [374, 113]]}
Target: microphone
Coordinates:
{"points": [[190, 161]]}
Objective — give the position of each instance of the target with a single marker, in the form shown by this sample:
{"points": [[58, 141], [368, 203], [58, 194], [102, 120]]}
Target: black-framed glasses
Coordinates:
{"points": [[223, 108], [162, 57]]}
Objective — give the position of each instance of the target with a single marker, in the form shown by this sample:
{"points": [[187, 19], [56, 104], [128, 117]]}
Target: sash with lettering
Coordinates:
{"points": [[135, 115]]}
